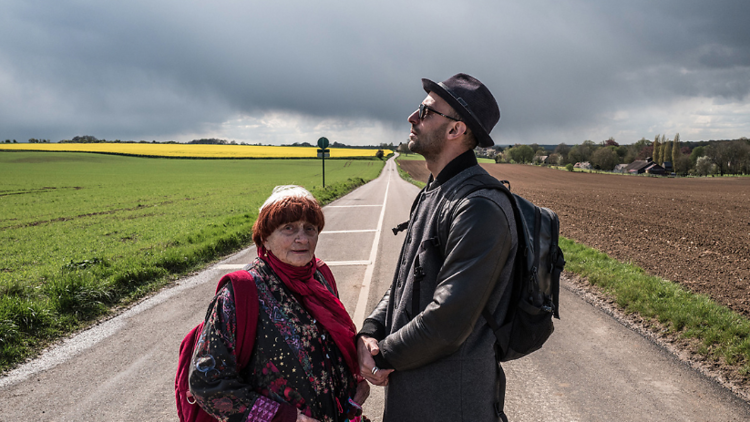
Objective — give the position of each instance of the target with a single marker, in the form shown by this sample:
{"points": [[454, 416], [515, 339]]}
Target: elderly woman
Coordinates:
{"points": [[303, 364]]}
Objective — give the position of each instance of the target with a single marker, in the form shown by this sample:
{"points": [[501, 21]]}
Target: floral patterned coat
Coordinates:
{"points": [[295, 364]]}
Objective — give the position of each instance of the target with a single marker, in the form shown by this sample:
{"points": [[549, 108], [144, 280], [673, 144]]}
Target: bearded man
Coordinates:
{"points": [[425, 340]]}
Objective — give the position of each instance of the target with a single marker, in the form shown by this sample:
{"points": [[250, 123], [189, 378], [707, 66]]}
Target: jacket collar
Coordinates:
{"points": [[456, 166]]}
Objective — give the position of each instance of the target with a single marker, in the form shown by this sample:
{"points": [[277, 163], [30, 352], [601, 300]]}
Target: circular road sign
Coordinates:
{"points": [[323, 143]]}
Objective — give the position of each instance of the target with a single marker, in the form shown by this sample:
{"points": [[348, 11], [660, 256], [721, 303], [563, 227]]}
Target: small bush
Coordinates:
{"points": [[569, 167]]}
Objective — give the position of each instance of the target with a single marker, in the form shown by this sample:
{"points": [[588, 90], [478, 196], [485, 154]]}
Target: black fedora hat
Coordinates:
{"points": [[472, 101]]}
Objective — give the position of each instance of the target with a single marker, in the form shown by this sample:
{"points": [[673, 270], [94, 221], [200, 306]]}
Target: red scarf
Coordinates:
{"points": [[319, 302]]}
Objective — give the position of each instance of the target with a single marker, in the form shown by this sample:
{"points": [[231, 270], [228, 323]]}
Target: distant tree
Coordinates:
{"points": [[86, 139], [656, 150], [675, 148], [521, 153], [563, 150], [379, 154], [696, 153], [682, 165], [14, 141], [610, 142], [645, 152], [704, 166], [569, 167], [553, 159], [667, 149], [581, 153], [605, 159], [622, 151], [720, 154]]}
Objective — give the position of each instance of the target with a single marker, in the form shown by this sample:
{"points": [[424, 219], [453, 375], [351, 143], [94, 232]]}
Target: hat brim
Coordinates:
{"points": [[480, 133]]}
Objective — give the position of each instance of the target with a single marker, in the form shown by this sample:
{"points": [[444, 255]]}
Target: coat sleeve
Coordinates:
{"points": [[215, 381], [477, 248]]}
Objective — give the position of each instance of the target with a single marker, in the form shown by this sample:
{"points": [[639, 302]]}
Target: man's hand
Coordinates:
{"points": [[367, 347]]}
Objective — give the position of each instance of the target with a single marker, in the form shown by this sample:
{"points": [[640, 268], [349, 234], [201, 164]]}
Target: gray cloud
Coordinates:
{"points": [[561, 71]]}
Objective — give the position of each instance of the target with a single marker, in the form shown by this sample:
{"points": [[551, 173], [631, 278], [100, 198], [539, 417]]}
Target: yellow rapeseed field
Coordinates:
{"points": [[192, 150]]}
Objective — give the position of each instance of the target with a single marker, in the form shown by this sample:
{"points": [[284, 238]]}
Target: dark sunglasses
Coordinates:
{"points": [[423, 113]]}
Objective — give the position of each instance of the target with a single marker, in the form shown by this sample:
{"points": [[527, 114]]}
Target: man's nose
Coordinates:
{"points": [[414, 117]]}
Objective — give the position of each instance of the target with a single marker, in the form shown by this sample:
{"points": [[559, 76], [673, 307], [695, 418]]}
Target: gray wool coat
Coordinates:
{"points": [[429, 323]]}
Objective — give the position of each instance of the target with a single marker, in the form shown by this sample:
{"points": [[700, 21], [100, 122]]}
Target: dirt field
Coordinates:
{"points": [[695, 231]]}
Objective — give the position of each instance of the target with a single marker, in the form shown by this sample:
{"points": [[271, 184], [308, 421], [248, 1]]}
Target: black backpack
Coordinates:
{"points": [[536, 272]]}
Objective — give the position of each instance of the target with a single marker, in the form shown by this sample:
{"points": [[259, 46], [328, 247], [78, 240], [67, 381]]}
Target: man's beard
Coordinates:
{"points": [[428, 144]]}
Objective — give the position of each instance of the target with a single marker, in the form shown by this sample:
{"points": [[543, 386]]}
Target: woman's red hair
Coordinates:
{"points": [[287, 209]]}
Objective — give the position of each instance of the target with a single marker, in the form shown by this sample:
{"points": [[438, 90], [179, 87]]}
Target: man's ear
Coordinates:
{"points": [[457, 129]]}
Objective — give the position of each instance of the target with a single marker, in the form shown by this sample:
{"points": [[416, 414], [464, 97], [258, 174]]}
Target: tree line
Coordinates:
{"points": [[684, 158]]}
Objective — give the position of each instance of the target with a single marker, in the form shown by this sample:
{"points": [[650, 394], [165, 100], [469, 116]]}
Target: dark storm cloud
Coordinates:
{"points": [[163, 69]]}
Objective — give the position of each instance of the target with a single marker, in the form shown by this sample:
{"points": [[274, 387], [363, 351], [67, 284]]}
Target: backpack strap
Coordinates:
{"points": [[405, 225], [484, 181], [558, 263], [246, 306]]}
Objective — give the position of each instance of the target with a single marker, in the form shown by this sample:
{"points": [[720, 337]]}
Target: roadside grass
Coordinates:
{"points": [[406, 176], [724, 335], [83, 233]]}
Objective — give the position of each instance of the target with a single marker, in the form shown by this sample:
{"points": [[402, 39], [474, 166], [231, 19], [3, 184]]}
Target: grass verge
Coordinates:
{"points": [[82, 291], [723, 335]]}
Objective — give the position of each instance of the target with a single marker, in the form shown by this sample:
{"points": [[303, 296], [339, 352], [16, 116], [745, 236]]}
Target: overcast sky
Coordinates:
{"points": [[282, 71]]}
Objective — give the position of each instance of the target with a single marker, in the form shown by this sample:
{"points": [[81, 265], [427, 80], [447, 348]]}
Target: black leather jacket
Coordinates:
{"points": [[454, 262]]}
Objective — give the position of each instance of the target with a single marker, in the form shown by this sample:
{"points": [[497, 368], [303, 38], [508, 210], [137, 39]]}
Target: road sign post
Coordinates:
{"points": [[323, 152]]}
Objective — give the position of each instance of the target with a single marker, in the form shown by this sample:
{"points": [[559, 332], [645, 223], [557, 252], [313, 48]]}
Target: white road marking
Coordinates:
{"points": [[364, 293]]}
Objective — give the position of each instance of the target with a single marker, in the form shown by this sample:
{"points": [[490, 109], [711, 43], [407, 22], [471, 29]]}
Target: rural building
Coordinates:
{"points": [[485, 152], [541, 159], [583, 165], [620, 168], [645, 166]]}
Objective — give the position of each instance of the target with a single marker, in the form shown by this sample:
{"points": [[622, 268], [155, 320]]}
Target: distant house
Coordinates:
{"points": [[541, 159], [645, 166], [620, 168], [667, 167], [485, 152], [583, 165]]}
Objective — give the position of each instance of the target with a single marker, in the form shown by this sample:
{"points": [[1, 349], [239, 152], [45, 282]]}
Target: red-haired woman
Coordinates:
{"points": [[303, 363]]}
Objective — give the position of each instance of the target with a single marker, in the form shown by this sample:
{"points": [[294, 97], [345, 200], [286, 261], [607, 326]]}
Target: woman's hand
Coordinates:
{"points": [[301, 417], [363, 392], [367, 347]]}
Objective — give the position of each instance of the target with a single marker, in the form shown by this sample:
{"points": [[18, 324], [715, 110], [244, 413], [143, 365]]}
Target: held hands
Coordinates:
{"points": [[301, 417], [367, 347], [363, 392]]}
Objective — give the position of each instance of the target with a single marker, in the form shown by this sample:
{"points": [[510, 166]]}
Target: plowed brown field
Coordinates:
{"points": [[694, 231]]}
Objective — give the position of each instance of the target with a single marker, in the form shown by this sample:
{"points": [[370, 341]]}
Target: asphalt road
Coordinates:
{"points": [[592, 369]]}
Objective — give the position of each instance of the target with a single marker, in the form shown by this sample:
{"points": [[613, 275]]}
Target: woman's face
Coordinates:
{"points": [[293, 243]]}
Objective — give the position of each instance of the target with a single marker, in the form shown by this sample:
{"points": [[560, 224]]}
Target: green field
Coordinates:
{"points": [[83, 232]]}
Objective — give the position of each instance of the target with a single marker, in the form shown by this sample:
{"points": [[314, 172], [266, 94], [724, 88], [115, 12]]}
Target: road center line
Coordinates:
{"points": [[364, 293]]}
